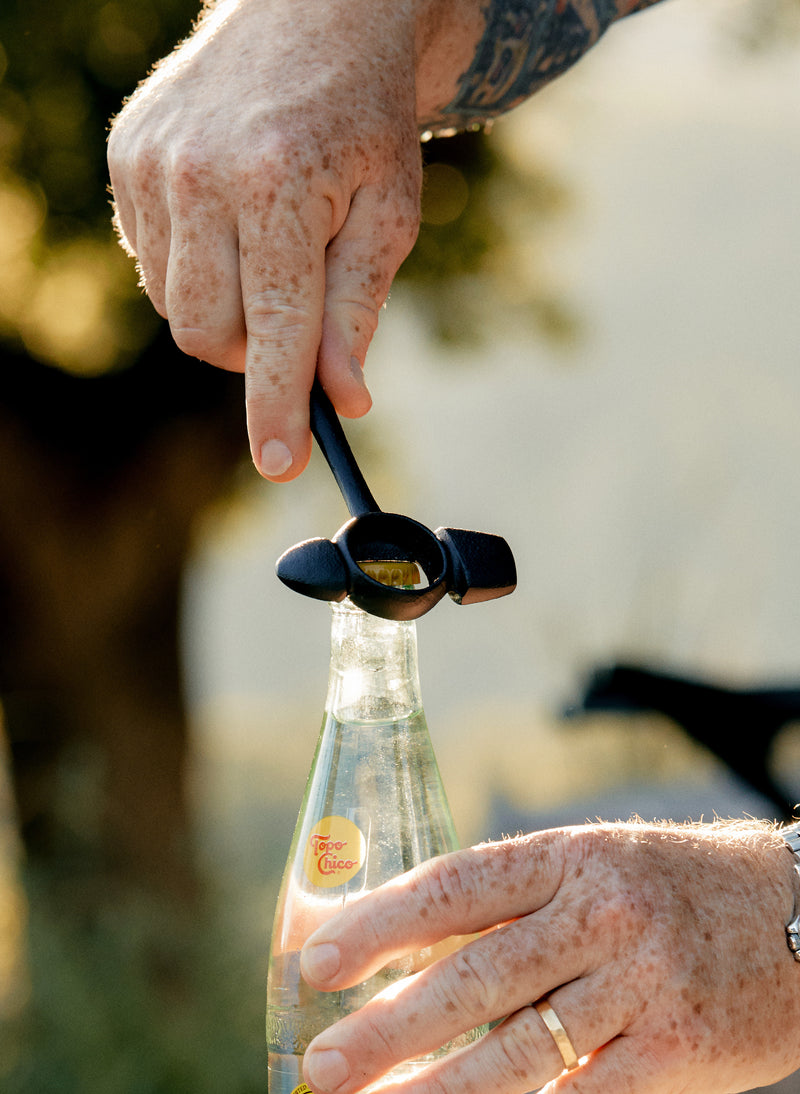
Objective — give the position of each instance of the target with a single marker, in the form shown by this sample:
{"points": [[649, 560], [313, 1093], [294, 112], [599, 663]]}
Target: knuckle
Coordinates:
{"points": [[516, 1052], [360, 316], [612, 918], [271, 306], [138, 160], [216, 345], [619, 900], [274, 162], [436, 1084], [190, 170], [193, 341], [271, 317], [471, 987], [443, 886]]}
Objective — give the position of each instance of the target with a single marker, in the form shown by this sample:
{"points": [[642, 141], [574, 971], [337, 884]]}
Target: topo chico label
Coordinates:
{"points": [[335, 852]]}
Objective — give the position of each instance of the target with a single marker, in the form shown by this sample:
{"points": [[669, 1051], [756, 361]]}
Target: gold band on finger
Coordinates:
{"points": [[558, 1033]]}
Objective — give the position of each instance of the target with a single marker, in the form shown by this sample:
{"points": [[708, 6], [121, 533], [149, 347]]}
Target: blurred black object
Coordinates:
{"points": [[738, 725], [102, 481]]}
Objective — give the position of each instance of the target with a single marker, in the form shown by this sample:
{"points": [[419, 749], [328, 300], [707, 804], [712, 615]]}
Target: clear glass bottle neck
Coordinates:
{"points": [[374, 673]]}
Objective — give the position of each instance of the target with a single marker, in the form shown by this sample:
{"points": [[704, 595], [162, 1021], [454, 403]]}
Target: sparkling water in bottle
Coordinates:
{"points": [[374, 806]]}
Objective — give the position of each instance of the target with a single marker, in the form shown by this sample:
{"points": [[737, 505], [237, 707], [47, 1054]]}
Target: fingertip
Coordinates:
{"points": [[360, 400], [320, 962], [327, 1069], [274, 459], [278, 427], [280, 460], [353, 404], [346, 388]]}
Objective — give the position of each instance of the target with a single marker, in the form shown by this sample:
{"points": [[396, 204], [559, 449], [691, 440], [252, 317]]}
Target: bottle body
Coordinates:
{"points": [[374, 807]]}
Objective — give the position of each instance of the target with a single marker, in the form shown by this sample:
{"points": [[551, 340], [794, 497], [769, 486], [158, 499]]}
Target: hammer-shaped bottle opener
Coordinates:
{"points": [[470, 566]]}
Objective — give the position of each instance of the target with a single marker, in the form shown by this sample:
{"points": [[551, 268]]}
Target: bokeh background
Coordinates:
{"points": [[594, 350]]}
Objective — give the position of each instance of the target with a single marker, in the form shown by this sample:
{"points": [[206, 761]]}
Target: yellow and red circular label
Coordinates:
{"points": [[335, 852], [304, 1088]]}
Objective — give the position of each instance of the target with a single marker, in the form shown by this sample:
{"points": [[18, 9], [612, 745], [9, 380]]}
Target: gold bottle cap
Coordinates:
{"points": [[392, 571]]}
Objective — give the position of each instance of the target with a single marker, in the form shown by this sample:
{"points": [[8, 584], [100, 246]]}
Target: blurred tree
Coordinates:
{"points": [[464, 272], [95, 392], [112, 441], [69, 296], [100, 482]]}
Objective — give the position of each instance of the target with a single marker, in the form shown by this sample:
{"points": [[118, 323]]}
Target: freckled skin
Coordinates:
{"points": [[662, 950], [267, 175], [274, 181]]}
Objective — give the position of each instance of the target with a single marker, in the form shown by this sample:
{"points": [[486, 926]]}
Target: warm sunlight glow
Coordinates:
{"points": [[66, 319]]}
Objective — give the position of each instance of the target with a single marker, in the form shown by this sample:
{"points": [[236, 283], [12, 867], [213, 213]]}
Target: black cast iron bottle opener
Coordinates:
{"points": [[470, 566]]}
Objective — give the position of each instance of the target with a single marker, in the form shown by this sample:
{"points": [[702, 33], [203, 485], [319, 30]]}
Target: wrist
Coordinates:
{"points": [[790, 834], [779, 847], [505, 51], [448, 34]]}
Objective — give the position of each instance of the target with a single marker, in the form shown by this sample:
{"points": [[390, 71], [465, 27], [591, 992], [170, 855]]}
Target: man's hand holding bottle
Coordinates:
{"points": [[660, 950]]}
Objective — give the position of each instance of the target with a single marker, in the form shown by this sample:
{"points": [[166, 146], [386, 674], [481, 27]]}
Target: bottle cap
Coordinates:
{"points": [[391, 571]]}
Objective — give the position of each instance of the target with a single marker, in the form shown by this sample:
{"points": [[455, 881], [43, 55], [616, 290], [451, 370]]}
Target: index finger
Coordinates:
{"points": [[462, 893], [282, 270]]}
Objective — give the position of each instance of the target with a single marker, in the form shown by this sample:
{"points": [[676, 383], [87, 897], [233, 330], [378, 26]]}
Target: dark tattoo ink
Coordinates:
{"points": [[526, 44]]}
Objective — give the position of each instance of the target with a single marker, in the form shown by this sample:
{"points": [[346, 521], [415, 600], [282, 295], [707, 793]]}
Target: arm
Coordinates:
{"points": [[521, 45], [266, 176], [661, 948]]}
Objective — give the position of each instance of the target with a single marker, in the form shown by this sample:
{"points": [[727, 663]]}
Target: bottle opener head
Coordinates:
{"points": [[470, 566]]}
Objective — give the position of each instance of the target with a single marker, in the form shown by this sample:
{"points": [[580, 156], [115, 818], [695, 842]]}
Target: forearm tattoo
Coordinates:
{"points": [[526, 44]]}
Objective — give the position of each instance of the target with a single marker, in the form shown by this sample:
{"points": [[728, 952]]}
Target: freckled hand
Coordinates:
{"points": [[312, 293], [268, 226]]}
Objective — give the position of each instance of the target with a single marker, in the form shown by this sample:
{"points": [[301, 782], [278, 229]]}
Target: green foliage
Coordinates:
{"points": [[67, 293], [68, 65], [466, 271], [140, 1000]]}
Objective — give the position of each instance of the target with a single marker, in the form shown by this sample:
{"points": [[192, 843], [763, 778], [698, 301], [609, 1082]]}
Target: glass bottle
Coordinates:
{"points": [[374, 807]]}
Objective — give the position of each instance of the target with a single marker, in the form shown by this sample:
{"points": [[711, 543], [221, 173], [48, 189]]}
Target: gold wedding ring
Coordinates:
{"points": [[558, 1033]]}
